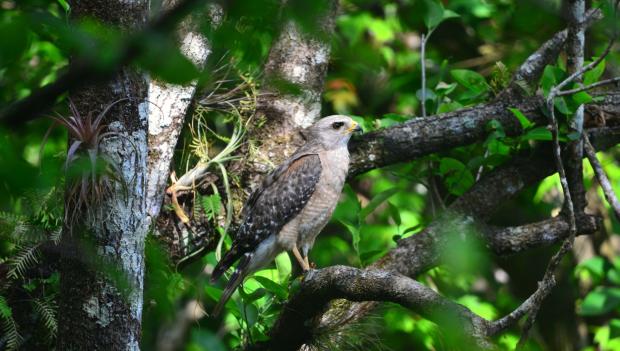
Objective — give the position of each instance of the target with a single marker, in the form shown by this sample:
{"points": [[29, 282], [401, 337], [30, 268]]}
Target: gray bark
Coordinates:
{"points": [[167, 106], [575, 48], [102, 263], [296, 59]]}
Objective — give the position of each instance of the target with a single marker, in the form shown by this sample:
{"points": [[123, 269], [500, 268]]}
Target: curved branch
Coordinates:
{"points": [[319, 287]]}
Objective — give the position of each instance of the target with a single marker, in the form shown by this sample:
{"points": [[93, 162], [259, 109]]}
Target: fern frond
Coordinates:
{"points": [[46, 307], [5, 309], [24, 259], [13, 225], [56, 235], [11, 338]]}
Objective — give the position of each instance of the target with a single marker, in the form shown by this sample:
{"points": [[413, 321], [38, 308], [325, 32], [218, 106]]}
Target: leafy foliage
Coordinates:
{"points": [[472, 48]]}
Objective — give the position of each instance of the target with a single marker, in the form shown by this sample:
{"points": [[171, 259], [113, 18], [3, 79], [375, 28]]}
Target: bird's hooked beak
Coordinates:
{"points": [[355, 127]]}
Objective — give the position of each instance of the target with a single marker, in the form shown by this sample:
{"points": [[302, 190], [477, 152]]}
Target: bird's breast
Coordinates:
{"points": [[316, 214]]}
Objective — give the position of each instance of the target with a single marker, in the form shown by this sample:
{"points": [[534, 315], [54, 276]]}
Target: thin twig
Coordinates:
{"points": [[548, 281], [575, 47], [601, 176], [588, 87], [556, 90], [423, 68]]}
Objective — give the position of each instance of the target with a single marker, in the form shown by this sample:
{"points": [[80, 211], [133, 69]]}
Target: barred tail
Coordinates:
{"points": [[228, 260], [235, 280]]}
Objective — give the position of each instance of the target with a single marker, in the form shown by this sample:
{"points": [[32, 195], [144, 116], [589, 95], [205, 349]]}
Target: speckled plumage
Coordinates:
{"points": [[293, 203]]}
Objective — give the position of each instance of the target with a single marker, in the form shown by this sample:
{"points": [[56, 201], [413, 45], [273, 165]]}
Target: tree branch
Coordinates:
{"points": [[319, 287], [589, 87], [571, 180], [423, 136], [530, 71], [419, 137], [602, 178]]}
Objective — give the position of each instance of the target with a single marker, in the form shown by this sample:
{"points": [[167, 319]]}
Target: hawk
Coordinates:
{"points": [[292, 205]]}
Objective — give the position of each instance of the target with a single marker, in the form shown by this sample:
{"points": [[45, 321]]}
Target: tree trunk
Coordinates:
{"points": [[297, 59], [102, 265], [167, 107]]}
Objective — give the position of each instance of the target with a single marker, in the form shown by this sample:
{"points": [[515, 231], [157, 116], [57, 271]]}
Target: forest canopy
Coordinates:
{"points": [[480, 209]]}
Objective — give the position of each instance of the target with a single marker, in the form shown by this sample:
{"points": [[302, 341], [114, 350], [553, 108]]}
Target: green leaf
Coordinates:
{"points": [[253, 296], [443, 88], [613, 275], [551, 76], [381, 30], [370, 256], [283, 264], [524, 121], [457, 177], [65, 5], [434, 13], [447, 14], [449, 107], [539, 133], [448, 164], [561, 105], [594, 74], [396, 117], [478, 306], [595, 266], [211, 205], [250, 314], [581, 98], [614, 328], [272, 287], [394, 213], [495, 160], [471, 80], [213, 292], [430, 95], [355, 235], [376, 201], [600, 301], [497, 147], [203, 339], [352, 195]]}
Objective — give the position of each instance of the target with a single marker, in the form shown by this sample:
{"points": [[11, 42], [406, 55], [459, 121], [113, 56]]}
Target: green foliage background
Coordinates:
{"points": [[374, 75]]}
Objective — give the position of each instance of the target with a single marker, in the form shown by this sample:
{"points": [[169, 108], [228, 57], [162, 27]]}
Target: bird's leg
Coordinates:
{"points": [[304, 265], [306, 261]]}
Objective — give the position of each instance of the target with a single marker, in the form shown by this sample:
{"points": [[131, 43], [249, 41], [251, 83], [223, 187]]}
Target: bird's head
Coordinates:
{"points": [[332, 131]]}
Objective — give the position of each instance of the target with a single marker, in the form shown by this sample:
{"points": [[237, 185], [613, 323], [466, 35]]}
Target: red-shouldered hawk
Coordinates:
{"points": [[292, 205]]}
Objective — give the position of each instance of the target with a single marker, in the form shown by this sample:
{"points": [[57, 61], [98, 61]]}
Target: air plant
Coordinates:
{"points": [[235, 96], [89, 173]]}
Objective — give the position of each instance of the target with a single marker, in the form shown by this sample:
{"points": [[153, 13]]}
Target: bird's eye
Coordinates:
{"points": [[337, 125]]}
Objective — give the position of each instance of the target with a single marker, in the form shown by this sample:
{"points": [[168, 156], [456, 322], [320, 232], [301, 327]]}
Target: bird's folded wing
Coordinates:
{"points": [[281, 196]]}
